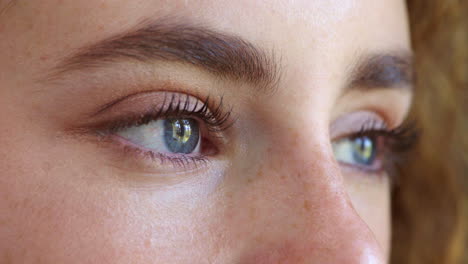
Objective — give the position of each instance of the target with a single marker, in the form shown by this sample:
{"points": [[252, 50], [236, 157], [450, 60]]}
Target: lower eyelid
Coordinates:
{"points": [[376, 168], [133, 158], [379, 161]]}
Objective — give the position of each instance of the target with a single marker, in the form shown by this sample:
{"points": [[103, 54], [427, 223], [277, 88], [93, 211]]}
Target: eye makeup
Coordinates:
{"points": [[209, 116], [364, 140], [385, 147]]}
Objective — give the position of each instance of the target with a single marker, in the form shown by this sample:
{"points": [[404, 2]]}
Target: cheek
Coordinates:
{"points": [[65, 210], [370, 196], [56, 210], [61, 223]]}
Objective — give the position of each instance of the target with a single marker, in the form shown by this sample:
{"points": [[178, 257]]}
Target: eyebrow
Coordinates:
{"points": [[383, 71], [220, 54], [223, 55]]}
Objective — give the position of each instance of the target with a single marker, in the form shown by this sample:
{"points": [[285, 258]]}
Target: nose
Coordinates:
{"points": [[311, 218]]}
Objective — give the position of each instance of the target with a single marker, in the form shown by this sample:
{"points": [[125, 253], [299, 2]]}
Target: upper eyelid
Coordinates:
{"points": [[225, 54], [354, 122], [137, 96], [132, 109], [371, 126]]}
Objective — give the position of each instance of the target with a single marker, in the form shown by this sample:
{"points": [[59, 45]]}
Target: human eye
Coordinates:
{"points": [[375, 148], [176, 135], [359, 151], [171, 130]]}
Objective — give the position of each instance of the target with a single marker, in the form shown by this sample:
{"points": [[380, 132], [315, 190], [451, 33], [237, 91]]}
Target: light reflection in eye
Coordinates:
{"points": [[359, 151], [172, 135], [181, 135]]}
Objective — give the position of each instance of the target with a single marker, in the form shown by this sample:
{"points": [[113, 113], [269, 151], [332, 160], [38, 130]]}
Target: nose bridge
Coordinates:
{"points": [[325, 224]]}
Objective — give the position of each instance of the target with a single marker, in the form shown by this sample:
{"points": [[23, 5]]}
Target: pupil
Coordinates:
{"points": [[364, 150], [181, 135]]}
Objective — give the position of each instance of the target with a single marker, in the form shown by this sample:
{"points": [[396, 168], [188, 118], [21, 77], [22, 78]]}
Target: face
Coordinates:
{"points": [[175, 131]]}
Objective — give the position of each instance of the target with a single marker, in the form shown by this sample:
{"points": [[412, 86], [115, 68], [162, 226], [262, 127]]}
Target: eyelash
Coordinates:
{"points": [[396, 143], [215, 121]]}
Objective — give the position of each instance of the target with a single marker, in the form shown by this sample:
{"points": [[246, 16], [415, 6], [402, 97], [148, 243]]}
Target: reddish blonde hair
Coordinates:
{"points": [[430, 202]]}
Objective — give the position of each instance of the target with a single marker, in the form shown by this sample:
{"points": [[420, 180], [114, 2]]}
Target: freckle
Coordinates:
{"points": [[259, 173], [307, 205], [147, 243], [259, 240], [249, 180]]}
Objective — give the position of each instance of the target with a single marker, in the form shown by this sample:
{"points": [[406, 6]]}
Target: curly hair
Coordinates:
{"points": [[430, 203]]}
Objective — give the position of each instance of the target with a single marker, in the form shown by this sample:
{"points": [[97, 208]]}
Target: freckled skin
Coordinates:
{"points": [[276, 195], [307, 205]]}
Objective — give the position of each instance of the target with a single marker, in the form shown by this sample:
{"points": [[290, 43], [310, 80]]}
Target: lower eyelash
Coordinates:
{"points": [[178, 161], [181, 161], [211, 113]]}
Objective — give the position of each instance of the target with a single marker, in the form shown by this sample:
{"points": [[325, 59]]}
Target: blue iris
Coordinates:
{"points": [[181, 135], [364, 150]]}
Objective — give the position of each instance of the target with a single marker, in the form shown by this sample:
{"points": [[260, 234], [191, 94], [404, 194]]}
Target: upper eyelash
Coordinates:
{"points": [[398, 143], [400, 139], [211, 111]]}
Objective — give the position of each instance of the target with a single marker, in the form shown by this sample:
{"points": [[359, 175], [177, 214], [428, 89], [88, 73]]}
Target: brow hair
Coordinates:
{"points": [[5, 7], [221, 54], [384, 70], [226, 56]]}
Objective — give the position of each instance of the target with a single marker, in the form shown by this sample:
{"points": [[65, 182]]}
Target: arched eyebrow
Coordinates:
{"points": [[391, 70], [224, 55]]}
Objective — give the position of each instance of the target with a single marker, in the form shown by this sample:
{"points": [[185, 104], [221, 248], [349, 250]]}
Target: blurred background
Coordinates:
{"points": [[431, 198]]}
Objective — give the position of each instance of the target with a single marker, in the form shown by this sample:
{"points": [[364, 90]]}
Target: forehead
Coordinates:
{"points": [[301, 32]]}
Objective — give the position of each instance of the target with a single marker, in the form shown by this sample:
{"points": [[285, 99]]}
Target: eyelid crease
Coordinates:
{"points": [[211, 111], [171, 105]]}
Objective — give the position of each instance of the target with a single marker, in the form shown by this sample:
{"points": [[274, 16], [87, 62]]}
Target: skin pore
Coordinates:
{"points": [[295, 77]]}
